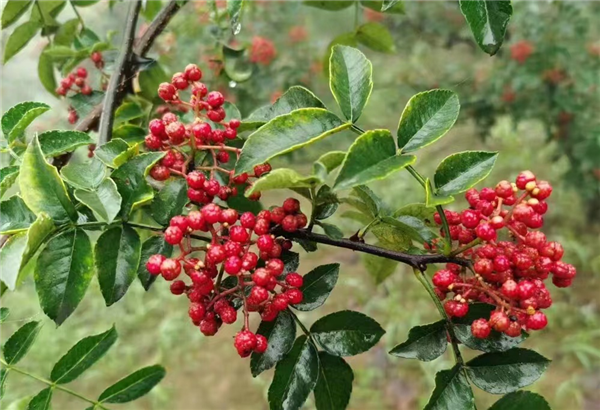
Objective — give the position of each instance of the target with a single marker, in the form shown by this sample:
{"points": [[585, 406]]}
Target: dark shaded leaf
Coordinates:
{"points": [[346, 333], [19, 38], [350, 80], [169, 201], [63, 272], [41, 401], [295, 376], [331, 5], [426, 343], [46, 72], [133, 386], [19, 343], [452, 391], [521, 400], [280, 333], [14, 216], [57, 142], [117, 257], [8, 176], [461, 171], [317, 285], [82, 356], [376, 36], [334, 385], [104, 201], [151, 246], [488, 20]]}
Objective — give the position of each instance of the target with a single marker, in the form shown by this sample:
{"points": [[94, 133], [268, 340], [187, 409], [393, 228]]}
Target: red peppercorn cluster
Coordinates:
{"points": [[242, 247], [262, 51], [509, 272], [77, 82], [182, 141]]}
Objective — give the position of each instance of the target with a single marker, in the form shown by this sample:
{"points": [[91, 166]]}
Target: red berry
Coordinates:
{"points": [[553, 250], [487, 194], [504, 189], [261, 344], [233, 265], [232, 248], [275, 267], [469, 218], [228, 315], [216, 115], [294, 280], [216, 254], [483, 266], [181, 222], [294, 296], [196, 179], [262, 227], [510, 289], [523, 178], [215, 99], [173, 235], [480, 328], [177, 287], [261, 277], [212, 187], [240, 179], [248, 220], [176, 132], [167, 91], [154, 264], [160, 173], [258, 294], [202, 131], [265, 243], [179, 81], [497, 222], [289, 223], [280, 302], [262, 169], [537, 321], [525, 289], [196, 312], [170, 269], [81, 72], [514, 330], [192, 72], [291, 205], [269, 313], [96, 57], [542, 190], [486, 232], [211, 213], [444, 278], [234, 123], [245, 342], [238, 234], [223, 157], [153, 142], [209, 326], [249, 261], [499, 321], [199, 90], [563, 270], [301, 220], [501, 263]]}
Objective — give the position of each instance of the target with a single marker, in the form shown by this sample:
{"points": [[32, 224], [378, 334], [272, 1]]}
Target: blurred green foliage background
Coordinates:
{"points": [[539, 119]]}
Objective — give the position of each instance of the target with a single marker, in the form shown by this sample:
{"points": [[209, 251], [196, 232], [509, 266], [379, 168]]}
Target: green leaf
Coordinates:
{"points": [[452, 391], [331, 5], [151, 246], [86, 39], [57, 142], [432, 200], [387, 6], [118, 252], [371, 157], [82, 356], [291, 261], [350, 80], [282, 178], [346, 333], [461, 171], [334, 385], [4, 312], [132, 134], [108, 152], [13, 10], [104, 201], [234, 9], [345, 39], [280, 333], [318, 284], [371, 201], [419, 211], [14, 216], [150, 79], [505, 372], [8, 175], [411, 227], [19, 343], [19, 38], [87, 175], [294, 98], [128, 111], [59, 52], [521, 400], [496, 342], [169, 201], [295, 376], [37, 234], [11, 255], [488, 20], [63, 272], [391, 5], [84, 104], [133, 386], [426, 118], [41, 186], [376, 37], [379, 268], [328, 162], [3, 376], [426, 343], [41, 401], [287, 133], [151, 9], [326, 203], [331, 230], [84, 3], [236, 64], [46, 72], [18, 117], [66, 33], [131, 181]]}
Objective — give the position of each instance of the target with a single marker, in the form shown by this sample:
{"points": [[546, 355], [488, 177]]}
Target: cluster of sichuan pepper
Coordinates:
{"points": [[208, 132], [511, 259], [241, 247], [77, 82]]}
